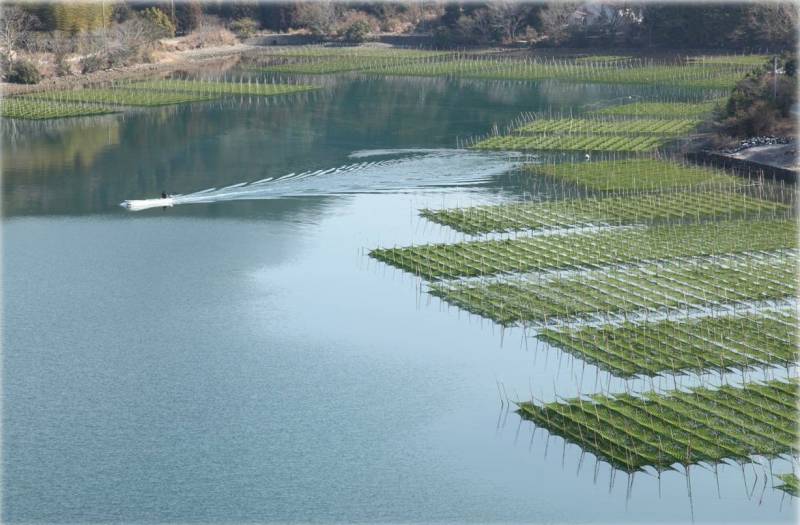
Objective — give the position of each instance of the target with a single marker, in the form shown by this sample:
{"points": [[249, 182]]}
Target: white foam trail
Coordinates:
{"points": [[138, 205], [364, 153], [235, 186], [427, 170]]}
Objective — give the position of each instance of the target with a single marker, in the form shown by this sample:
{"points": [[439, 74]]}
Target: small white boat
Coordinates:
{"points": [[136, 205]]}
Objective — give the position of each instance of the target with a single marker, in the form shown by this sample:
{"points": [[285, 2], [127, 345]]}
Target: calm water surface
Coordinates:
{"points": [[246, 361]]}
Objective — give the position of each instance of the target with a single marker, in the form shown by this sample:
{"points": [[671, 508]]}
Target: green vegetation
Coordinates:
{"points": [[594, 59], [579, 250], [313, 67], [617, 210], [573, 143], [119, 97], [668, 285], [745, 60], [662, 127], [761, 103], [23, 72], [160, 20], [24, 108], [682, 110], [72, 17], [790, 484], [706, 76], [317, 60], [679, 428], [219, 88], [94, 101], [634, 174], [692, 345], [711, 75], [349, 52]]}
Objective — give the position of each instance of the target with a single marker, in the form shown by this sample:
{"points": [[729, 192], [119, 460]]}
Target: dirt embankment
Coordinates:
{"points": [[165, 62], [777, 155]]}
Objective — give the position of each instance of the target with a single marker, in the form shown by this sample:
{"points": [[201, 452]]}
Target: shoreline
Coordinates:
{"points": [[173, 61]]}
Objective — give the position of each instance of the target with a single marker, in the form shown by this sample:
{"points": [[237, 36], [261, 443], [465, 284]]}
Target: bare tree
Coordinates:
{"points": [[481, 23], [509, 17], [556, 20], [134, 36], [16, 26], [318, 17]]}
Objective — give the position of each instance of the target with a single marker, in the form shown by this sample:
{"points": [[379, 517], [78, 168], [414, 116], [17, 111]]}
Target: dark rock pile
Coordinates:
{"points": [[757, 141]]}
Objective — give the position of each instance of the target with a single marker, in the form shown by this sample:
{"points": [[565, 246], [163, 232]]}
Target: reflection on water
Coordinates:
{"points": [[245, 361], [91, 165], [57, 144]]}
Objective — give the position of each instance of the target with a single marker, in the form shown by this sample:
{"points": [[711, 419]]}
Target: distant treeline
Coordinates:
{"points": [[771, 25]]}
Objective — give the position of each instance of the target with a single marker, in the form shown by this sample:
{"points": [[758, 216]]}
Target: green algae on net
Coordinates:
{"points": [[213, 87], [723, 343], [50, 104], [660, 431], [587, 250], [29, 109], [670, 285], [634, 174], [610, 210]]}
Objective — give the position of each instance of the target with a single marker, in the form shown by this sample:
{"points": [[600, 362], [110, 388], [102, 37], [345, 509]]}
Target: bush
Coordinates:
{"points": [[244, 27], [23, 72], [357, 32], [61, 65], [761, 103], [93, 63], [161, 20]]}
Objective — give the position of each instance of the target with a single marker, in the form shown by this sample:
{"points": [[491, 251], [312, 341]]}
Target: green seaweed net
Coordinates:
{"points": [[661, 431]]}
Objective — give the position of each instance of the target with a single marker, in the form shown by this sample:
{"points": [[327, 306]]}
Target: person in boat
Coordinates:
{"points": [[163, 194]]}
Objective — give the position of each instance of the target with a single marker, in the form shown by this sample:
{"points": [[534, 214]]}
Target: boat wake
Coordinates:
{"points": [[414, 170]]}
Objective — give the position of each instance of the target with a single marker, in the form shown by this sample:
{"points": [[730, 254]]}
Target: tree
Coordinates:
{"points": [[761, 103], [555, 22], [509, 18], [161, 20], [16, 26], [74, 17], [357, 32], [276, 16], [244, 27], [187, 16], [770, 25], [318, 17], [767, 24]]}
